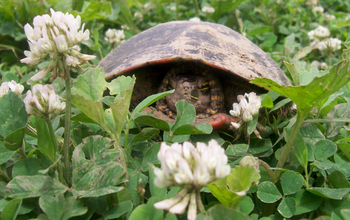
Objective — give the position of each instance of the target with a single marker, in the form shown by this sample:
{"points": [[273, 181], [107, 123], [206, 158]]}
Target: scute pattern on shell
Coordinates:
{"points": [[213, 44]]}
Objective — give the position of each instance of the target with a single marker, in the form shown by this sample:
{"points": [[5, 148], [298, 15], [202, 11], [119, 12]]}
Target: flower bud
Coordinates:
{"points": [[42, 101]]}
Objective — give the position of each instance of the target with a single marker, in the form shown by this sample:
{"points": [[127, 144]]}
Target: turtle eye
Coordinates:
{"points": [[205, 87]]}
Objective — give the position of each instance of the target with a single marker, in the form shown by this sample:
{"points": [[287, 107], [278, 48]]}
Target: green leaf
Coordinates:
{"points": [[125, 16], [45, 144], [35, 186], [338, 179], [193, 129], [306, 202], [96, 168], [259, 147], [150, 156], [291, 182], [147, 211], [237, 150], [93, 109], [186, 114], [14, 140], [152, 121], [268, 192], [146, 134], [150, 100], [120, 107], [90, 85], [11, 210], [266, 101], [329, 192], [95, 11], [345, 213], [118, 210], [59, 208], [220, 212], [287, 207], [307, 96], [300, 149], [345, 148], [87, 94], [13, 115], [251, 125], [29, 167], [246, 205], [231, 189], [325, 149], [5, 154], [259, 30], [339, 111]]}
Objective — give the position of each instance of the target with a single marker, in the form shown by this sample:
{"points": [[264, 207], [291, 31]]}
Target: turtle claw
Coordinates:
{"points": [[166, 111], [222, 121]]}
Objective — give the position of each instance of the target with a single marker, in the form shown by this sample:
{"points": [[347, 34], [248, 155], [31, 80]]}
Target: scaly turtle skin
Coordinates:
{"points": [[196, 86], [189, 53]]}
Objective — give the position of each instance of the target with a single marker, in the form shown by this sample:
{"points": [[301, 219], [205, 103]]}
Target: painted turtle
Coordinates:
{"points": [[208, 65]]}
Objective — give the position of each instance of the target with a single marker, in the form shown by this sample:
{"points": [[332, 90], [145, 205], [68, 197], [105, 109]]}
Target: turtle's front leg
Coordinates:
{"points": [[216, 97]]}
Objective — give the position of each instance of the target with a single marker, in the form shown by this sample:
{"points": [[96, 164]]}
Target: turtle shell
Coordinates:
{"points": [[232, 58]]}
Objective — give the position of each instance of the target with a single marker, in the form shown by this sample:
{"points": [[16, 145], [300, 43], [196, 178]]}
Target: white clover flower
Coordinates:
{"points": [[56, 36], [114, 36], [42, 101], [171, 7], [312, 2], [13, 86], [330, 44], [191, 168], [249, 105], [330, 17], [195, 19], [125, 27], [321, 32], [318, 9], [347, 17], [208, 9], [138, 15]]}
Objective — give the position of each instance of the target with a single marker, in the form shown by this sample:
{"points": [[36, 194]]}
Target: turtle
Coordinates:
{"points": [[207, 64]]}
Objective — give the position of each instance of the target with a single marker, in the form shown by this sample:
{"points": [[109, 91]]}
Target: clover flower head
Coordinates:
{"points": [[191, 168], [55, 36], [312, 2], [208, 9], [171, 7], [195, 19], [249, 105], [330, 44], [319, 33], [114, 36], [318, 9], [42, 101], [347, 17], [125, 27], [329, 16], [138, 15], [16, 88]]}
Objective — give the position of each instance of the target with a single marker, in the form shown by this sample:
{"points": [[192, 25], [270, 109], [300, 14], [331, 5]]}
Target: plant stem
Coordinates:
{"points": [[268, 170], [199, 202], [55, 146], [289, 144], [196, 7], [67, 171], [177, 9]]}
